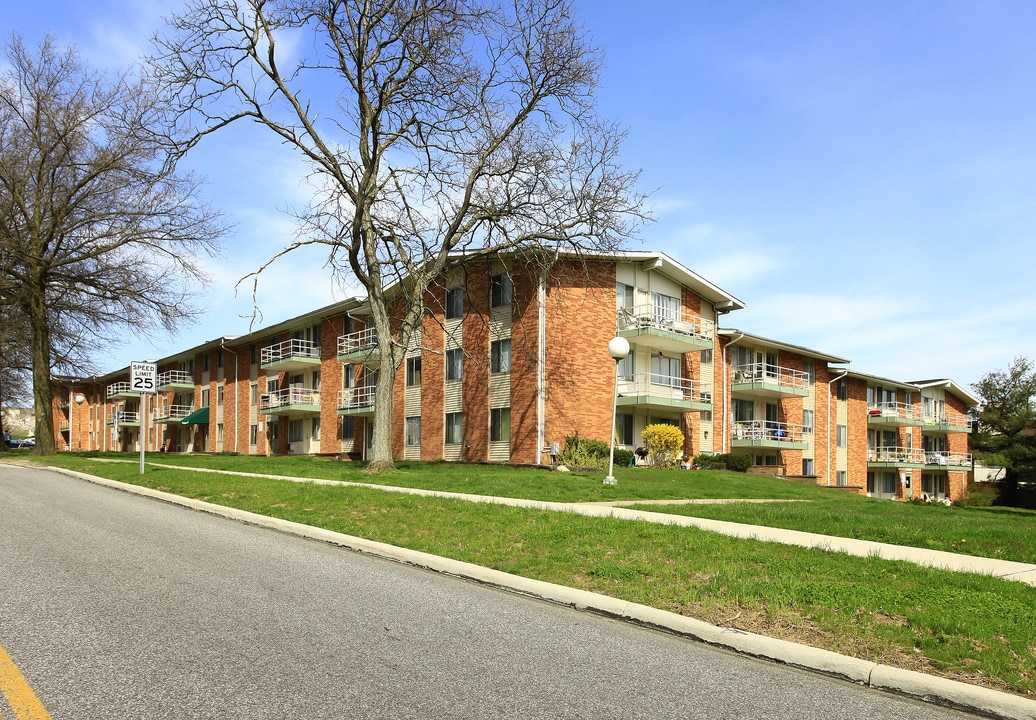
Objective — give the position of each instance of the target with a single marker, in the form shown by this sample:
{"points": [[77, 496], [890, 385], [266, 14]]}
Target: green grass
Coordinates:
{"points": [[964, 626]]}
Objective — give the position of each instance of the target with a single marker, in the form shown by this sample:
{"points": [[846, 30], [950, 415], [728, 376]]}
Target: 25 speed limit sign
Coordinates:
{"points": [[144, 377]]}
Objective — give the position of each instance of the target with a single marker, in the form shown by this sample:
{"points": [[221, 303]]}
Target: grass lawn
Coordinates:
{"points": [[964, 626]]}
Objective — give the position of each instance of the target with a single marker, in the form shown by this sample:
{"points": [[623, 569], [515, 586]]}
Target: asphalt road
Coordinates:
{"points": [[115, 606]]}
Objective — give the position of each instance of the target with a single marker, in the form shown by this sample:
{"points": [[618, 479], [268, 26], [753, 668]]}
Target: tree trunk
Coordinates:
{"points": [[40, 356]]}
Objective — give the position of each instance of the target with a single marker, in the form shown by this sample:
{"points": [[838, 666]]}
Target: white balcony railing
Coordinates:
{"points": [[942, 457], [772, 374], [771, 430], [657, 317], [119, 388], [177, 377], [894, 411], [165, 412], [950, 418], [666, 387], [294, 348], [129, 417], [289, 397], [356, 397], [363, 340], [896, 455]]}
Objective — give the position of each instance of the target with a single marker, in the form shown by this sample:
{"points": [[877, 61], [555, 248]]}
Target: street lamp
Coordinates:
{"points": [[618, 348]]}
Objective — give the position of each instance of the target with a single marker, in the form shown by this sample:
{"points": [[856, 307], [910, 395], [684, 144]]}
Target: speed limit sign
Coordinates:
{"points": [[144, 377]]}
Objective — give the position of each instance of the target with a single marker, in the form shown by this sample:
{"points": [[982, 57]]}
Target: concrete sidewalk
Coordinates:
{"points": [[928, 688]]}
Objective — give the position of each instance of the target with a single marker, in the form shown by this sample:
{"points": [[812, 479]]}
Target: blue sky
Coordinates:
{"points": [[861, 175]]}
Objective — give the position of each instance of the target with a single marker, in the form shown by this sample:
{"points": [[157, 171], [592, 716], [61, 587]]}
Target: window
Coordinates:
{"points": [[219, 432], [219, 394], [501, 290], [706, 357], [842, 479], [454, 428], [454, 303], [744, 411], [348, 376], [253, 434], [706, 416], [811, 371], [625, 367], [348, 427], [807, 467], [454, 364], [295, 381], [272, 384], [253, 354], [807, 422], [315, 429], [623, 296], [253, 393], [665, 371], [500, 425], [500, 356], [348, 325], [295, 431], [205, 397], [205, 363], [665, 307], [413, 371], [843, 389], [624, 429], [219, 358], [413, 430], [316, 380], [841, 431]]}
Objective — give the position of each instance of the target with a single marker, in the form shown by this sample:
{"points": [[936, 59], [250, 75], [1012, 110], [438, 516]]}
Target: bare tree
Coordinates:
{"points": [[99, 232], [438, 131]]}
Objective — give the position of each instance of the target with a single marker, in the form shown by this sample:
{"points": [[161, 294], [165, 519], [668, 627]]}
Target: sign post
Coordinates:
{"points": [[143, 379]]}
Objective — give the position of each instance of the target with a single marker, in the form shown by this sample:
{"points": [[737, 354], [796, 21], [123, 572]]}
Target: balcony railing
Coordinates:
{"points": [[356, 398], [175, 377], [771, 431], [364, 340], [656, 317], [948, 419], [120, 388], [294, 349], [943, 458], [664, 387], [289, 398], [894, 411], [125, 417], [915, 456], [767, 374], [171, 412]]}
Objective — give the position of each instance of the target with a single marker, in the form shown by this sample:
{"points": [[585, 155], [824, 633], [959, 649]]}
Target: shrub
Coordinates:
{"points": [[623, 457], [737, 462], [711, 461], [664, 442], [582, 452]]}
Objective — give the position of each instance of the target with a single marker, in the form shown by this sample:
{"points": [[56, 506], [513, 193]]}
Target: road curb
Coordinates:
{"points": [[928, 688]]}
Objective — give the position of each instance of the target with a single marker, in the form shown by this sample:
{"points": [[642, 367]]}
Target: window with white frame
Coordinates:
{"points": [[666, 308], [501, 290], [454, 303], [500, 425], [413, 371], [625, 367], [623, 296], [744, 411], [706, 357], [253, 393], [454, 428], [841, 436], [842, 479], [807, 422], [295, 431], [348, 376], [454, 364], [624, 429], [413, 430], [348, 427], [807, 467], [315, 429], [500, 356], [253, 434], [665, 370]]}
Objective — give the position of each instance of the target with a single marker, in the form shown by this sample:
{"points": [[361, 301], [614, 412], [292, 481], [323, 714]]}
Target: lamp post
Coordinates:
{"points": [[618, 348]]}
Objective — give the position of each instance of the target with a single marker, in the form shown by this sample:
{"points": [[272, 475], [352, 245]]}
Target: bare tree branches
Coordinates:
{"points": [[97, 229], [441, 131]]}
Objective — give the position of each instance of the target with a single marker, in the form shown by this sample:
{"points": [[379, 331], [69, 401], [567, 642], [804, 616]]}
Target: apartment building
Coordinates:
{"points": [[511, 358]]}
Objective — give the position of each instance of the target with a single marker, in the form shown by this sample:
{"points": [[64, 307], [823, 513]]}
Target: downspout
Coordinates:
{"points": [[541, 366], [726, 387], [845, 371]]}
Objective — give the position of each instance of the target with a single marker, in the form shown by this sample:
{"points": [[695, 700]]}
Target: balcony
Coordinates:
{"points": [[947, 460], [175, 380], [770, 434], [765, 380], [290, 401], [664, 329], [360, 348], [947, 422], [290, 355], [894, 413], [895, 457], [171, 413], [661, 392], [122, 390], [125, 418], [356, 401]]}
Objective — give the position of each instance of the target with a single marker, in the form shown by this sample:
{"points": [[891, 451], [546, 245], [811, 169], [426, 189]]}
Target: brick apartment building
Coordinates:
{"points": [[510, 359]]}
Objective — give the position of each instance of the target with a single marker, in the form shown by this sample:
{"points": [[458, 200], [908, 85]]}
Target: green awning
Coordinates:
{"points": [[198, 417]]}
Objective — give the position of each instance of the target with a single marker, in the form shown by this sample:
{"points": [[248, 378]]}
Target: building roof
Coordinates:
{"points": [[949, 386], [780, 345]]}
